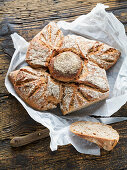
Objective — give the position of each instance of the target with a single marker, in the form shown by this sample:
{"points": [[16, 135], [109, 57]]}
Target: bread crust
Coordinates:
{"points": [[37, 88], [50, 42], [12, 76], [92, 87], [44, 46], [73, 98], [83, 73], [94, 76], [65, 67], [106, 143], [102, 54]]}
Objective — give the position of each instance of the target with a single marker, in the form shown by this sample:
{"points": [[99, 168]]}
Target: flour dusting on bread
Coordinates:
{"points": [[66, 70]]}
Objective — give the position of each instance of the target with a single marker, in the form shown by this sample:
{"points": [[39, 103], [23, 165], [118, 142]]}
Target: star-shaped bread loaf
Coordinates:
{"points": [[65, 70]]}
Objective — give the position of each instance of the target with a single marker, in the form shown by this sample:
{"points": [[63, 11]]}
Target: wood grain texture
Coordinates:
{"points": [[27, 18]]}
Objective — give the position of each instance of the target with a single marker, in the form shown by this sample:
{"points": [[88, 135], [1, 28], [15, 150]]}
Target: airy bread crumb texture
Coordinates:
{"points": [[103, 135]]}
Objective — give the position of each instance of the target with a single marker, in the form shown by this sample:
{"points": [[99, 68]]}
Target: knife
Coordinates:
{"points": [[24, 140]]}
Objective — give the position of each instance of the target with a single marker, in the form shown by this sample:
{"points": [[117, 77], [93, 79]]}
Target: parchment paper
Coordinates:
{"points": [[99, 25]]}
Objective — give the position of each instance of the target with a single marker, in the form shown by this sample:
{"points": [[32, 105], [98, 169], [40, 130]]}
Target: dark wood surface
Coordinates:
{"points": [[27, 17]]}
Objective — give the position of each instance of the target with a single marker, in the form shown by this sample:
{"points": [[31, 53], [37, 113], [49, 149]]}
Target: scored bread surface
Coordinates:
{"points": [[103, 135], [76, 97], [102, 54], [93, 76], [43, 46], [37, 88], [66, 70], [51, 41]]}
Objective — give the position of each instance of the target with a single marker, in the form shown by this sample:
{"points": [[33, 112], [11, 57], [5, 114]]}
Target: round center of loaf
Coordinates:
{"points": [[66, 66]]}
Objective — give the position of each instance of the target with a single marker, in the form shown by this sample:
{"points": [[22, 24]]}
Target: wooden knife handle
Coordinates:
{"points": [[24, 140]]}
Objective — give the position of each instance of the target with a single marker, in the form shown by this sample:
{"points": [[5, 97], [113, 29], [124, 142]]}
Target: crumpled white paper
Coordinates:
{"points": [[99, 25]]}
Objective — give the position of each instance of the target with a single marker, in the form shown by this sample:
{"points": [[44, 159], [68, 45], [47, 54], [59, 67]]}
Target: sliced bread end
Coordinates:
{"points": [[101, 134]]}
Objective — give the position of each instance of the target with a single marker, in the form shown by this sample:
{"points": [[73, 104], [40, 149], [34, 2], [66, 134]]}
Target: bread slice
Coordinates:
{"points": [[103, 135]]}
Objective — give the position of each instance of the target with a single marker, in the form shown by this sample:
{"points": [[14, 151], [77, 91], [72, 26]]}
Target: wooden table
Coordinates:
{"points": [[27, 18]]}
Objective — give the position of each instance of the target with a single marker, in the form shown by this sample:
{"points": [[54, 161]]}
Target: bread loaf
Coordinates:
{"points": [[50, 41], [36, 88], [103, 135], [92, 87], [66, 70], [94, 76], [44, 45], [65, 67]]}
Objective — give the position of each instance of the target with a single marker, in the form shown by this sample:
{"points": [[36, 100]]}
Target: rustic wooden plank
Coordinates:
{"points": [[30, 27], [4, 64], [15, 121], [29, 14], [24, 9], [38, 155], [24, 16]]}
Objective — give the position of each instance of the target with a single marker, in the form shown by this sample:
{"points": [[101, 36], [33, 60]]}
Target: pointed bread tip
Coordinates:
{"points": [[12, 76]]}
